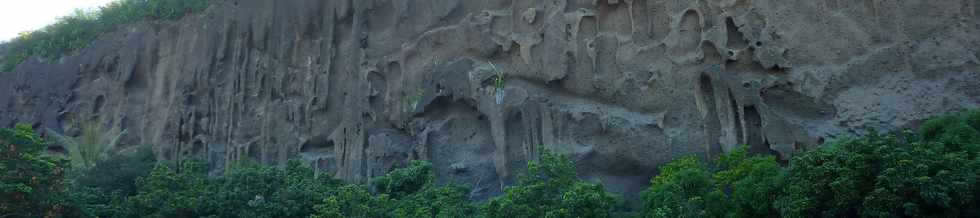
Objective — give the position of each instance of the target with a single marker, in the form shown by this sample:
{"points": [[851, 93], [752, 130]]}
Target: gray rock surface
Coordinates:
{"points": [[356, 87]]}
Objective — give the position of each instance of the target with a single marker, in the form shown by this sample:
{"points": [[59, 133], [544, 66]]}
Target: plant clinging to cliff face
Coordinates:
{"points": [[412, 101], [498, 79], [406, 180]]}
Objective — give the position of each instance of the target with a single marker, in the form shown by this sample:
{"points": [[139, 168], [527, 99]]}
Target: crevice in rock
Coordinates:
{"points": [[98, 104], [736, 41], [754, 136], [737, 119], [317, 147], [709, 115], [688, 35]]}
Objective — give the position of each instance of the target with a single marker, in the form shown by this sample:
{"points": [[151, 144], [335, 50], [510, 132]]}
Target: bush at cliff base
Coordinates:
{"points": [[32, 184], [929, 173]]}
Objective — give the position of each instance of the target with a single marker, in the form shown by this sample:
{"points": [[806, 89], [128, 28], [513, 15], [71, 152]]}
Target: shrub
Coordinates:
{"points": [[352, 201], [169, 193], [932, 174], [743, 186], [248, 190], [435, 201], [684, 188], [401, 182], [301, 190], [754, 183], [119, 172], [253, 190], [405, 192], [551, 189], [31, 184], [879, 176], [954, 133], [414, 193], [101, 191], [95, 202]]}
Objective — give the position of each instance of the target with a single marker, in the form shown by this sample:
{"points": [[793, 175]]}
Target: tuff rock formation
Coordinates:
{"points": [[356, 87]]}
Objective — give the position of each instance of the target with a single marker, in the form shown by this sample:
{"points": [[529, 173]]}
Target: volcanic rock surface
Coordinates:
{"points": [[479, 88]]}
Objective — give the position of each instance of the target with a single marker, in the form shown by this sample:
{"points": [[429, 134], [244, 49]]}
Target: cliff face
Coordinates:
{"points": [[356, 87]]}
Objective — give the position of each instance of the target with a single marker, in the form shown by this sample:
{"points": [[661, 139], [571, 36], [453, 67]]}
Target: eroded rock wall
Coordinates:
{"points": [[356, 87]]}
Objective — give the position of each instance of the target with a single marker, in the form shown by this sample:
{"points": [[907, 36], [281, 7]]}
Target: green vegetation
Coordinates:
{"points": [[407, 192], [99, 191], [91, 145], [498, 79], [118, 172], [929, 173], [76, 31], [742, 186], [412, 101], [552, 189], [131, 184], [31, 184]]}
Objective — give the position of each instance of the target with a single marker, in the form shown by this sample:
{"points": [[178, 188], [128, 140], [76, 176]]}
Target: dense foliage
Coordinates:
{"points": [[552, 189], [407, 192], [100, 190], [31, 184], [74, 32], [743, 186], [933, 173], [131, 184], [119, 171], [248, 190], [929, 173]]}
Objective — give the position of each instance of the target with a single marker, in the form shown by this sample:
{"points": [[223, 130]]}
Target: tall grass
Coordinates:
{"points": [[77, 30]]}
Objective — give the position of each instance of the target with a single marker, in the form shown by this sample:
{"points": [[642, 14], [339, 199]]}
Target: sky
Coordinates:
{"points": [[26, 15]]}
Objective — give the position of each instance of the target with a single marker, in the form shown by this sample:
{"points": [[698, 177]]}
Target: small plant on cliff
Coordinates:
{"points": [[498, 79], [404, 181], [412, 101]]}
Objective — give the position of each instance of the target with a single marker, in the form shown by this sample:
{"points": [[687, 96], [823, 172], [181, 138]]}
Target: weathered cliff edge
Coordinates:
{"points": [[356, 87]]}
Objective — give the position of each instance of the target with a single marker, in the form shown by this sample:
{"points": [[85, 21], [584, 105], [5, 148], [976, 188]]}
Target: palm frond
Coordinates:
{"points": [[91, 145]]}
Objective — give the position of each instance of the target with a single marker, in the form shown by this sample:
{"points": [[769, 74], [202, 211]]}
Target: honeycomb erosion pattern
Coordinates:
{"points": [[356, 87]]}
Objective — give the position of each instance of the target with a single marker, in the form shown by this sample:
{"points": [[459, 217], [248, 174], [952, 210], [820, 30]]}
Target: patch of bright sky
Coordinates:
{"points": [[17, 16]]}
